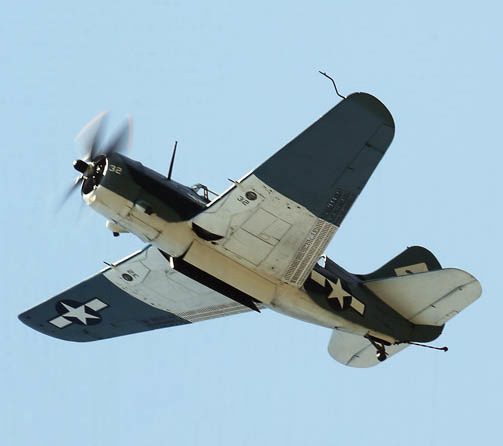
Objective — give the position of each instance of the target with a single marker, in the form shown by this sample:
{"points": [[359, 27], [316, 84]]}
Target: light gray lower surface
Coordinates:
{"points": [[140, 293], [119, 313], [356, 351], [270, 234], [429, 298], [152, 280]]}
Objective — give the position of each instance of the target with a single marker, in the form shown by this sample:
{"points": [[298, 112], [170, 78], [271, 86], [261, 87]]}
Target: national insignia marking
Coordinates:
{"points": [[80, 313], [251, 195], [338, 297], [127, 277]]}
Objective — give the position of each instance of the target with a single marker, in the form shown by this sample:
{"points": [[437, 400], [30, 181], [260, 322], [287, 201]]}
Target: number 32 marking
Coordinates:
{"points": [[243, 200], [115, 169]]}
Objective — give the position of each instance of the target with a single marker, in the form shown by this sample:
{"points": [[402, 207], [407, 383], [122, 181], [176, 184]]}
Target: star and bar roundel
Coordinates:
{"points": [[71, 311], [338, 297]]}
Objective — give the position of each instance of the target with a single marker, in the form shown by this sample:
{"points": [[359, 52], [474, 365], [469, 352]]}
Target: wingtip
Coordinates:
{"points": [[374, 105]]}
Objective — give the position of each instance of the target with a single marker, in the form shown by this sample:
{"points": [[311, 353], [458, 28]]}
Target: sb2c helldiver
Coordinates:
{"points": [[258, 245]]}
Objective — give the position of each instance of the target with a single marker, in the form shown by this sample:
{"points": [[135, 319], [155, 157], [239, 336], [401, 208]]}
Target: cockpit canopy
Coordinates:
{"points": [[203, 191]]}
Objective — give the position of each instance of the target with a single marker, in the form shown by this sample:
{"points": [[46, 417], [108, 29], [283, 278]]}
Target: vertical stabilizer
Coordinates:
{"points": [[415, 259]]}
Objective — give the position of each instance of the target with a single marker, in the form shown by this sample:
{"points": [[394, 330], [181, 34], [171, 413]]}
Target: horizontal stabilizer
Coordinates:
{"points": [[356, 351], [430, 298]]}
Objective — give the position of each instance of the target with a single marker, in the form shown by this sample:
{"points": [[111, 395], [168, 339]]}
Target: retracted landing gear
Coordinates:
{"points": [[380, 347]]}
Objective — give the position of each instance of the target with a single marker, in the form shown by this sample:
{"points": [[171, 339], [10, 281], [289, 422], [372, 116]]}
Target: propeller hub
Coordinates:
{"points": [[80, 166], [92, 166]]}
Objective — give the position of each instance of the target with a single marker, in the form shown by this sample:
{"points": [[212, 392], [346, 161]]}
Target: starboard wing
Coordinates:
{"points": [[142, 292], [279, 219]]}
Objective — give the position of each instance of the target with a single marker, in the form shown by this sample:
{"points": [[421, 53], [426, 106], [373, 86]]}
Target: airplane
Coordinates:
{"points": [[258, 245]]}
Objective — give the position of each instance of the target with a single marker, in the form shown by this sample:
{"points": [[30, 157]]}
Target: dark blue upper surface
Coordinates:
{"points": [[123, 314], [328, 164]]}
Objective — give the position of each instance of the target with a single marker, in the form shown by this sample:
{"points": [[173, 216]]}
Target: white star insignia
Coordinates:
{"points": [[338, 292], [84, 313], [78, 313]]}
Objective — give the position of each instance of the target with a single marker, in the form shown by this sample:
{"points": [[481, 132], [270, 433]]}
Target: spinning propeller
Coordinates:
{"points": [[95, 153]]}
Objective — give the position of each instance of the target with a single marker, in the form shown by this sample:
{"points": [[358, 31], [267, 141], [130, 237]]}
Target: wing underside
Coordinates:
{"points": [[142, 292], [279, 219]]}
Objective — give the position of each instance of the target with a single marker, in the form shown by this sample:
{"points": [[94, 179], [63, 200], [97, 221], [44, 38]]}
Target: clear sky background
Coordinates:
{"points": [[233, 82]]}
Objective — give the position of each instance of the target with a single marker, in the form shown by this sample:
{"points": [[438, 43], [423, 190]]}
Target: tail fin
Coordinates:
{"points": [[415, 259], [427, 299]]}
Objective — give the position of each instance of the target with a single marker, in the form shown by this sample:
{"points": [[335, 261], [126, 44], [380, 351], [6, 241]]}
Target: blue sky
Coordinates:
{"points": [[233, 82]]}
